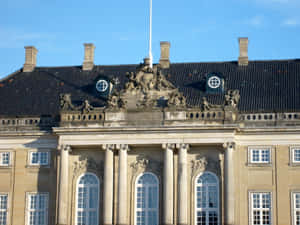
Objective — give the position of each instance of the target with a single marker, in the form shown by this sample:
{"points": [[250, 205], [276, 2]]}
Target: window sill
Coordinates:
{"points": [[259, 165]]}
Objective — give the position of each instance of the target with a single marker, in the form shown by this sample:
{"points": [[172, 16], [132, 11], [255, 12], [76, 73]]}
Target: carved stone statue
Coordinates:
{"points": [[66, 102], [87, 107], [232, 98], [205, 105], [115, 102], [176, 99]]}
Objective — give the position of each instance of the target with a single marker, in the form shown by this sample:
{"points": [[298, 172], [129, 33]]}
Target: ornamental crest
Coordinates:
{"points": [[199, 165], [203, 163], [144, 163], [86, 164]]}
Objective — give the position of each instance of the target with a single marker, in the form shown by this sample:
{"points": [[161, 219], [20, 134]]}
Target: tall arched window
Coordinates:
{"points": [[147, 198], [207, 199], [87, 204]]}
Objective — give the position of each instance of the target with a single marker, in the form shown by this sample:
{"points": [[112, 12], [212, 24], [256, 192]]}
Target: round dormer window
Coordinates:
{"points": [[214, 82], [102, 85]]}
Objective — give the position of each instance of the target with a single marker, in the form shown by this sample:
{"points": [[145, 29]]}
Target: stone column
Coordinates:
{"points": [[182, 184], [122, 188], [168, 195], [63, 191], [108, 184], [229, 183]]}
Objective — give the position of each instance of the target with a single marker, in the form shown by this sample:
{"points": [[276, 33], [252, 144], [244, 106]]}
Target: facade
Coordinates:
{"points": [[179, 143]]}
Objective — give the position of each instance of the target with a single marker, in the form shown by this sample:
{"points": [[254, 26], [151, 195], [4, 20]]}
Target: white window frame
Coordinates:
{"points": [[136, 209], [207, 209], [260, 209], [6, 210], [260, 150], [39, 163], [28, 208], [292, 154], [98, 200], [9, 158], [293, 206]]}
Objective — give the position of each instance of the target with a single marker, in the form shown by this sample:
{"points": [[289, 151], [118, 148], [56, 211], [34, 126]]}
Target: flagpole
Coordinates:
{"points": [[150, 37]]}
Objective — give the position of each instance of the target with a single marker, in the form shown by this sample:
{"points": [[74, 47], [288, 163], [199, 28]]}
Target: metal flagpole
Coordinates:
{"points": [[150, 37]]}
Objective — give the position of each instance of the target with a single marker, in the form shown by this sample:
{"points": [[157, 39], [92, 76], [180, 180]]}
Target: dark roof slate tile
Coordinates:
{"points": [[265, 86]]}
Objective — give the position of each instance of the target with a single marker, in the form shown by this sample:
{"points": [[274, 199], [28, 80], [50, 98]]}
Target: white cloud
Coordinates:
{"points": [[291, 22], [16, 38], [256, 21]]}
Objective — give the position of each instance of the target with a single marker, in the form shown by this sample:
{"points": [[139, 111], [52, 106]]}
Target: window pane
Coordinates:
{"points": [[261, 208], [3, 209], [147, 199], [265, 156], [207, 200], [38, 209], [201, 218], [296, 153], [88, 200], [5, 158]]}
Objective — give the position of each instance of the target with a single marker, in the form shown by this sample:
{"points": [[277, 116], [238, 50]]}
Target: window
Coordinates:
{"points": [[39, 158], [207, 199], [4, 158], [147, 199], [260, 208], [260, 155], [37, 208], [87, 204], [3, 208], [295, 155], [296, 208]]}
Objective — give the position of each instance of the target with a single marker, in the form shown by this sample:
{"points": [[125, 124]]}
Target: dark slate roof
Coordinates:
{"points": [[265, 86]]}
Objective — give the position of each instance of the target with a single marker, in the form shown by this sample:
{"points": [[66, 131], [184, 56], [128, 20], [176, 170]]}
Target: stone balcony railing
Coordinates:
{"points": [[26, 123]]}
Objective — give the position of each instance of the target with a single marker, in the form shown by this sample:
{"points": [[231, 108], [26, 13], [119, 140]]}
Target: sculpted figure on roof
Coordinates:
{"points": [[232, 98]]}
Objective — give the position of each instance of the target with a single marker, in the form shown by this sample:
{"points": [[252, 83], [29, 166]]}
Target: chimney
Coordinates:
{"points": [[30, 58], [88, 62], [164, 60], [243, 58]]}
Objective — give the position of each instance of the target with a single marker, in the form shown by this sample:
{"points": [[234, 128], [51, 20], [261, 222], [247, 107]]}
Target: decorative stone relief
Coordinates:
{"points": [[145, 163], [199, 165], [86, 164], [203, 163]]}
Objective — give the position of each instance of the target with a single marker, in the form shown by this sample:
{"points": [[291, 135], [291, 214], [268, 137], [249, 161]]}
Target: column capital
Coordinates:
{"points": [[122, 147], [182, 146], [169, 146], [229, 145], [110, 147], [65, 148]]}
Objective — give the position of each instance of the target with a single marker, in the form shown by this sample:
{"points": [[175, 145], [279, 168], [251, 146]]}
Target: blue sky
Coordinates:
{"points": [[199, 30]]}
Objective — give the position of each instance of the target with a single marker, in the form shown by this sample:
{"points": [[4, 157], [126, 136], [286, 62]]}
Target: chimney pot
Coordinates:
{"points": [[30, 58], [164, 60], [243, 58], [88, 62]]}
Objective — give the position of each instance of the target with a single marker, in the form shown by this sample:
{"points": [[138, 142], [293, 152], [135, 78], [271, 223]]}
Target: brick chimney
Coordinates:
{"points": [[243, 58], [88, 62], [164, 60], [30, 58]]}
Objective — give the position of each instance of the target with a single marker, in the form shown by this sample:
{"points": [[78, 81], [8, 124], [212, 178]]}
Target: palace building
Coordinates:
{"points": [[177, 143]]}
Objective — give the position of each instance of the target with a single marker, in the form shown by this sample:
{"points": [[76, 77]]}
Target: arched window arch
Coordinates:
{"points": [[207, 201], [146, 199], [87, 199]]}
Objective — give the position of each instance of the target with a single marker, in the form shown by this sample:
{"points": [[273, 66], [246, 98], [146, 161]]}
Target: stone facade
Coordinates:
{"points": [[147, 127]]}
